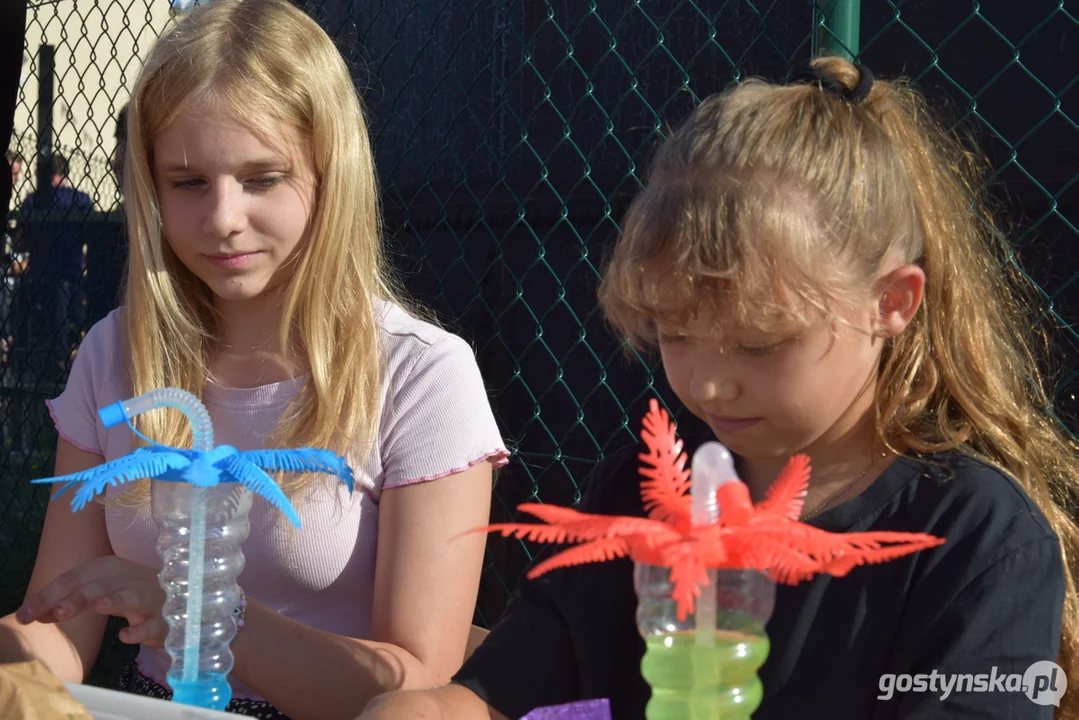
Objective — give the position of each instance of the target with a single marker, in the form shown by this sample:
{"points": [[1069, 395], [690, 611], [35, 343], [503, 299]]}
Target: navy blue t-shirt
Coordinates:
{"points": [[988, 604]]}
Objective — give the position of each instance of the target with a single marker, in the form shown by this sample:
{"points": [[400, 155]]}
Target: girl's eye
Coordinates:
{"points": [[762, 348], [671, 338], [757, 350], [265, 182]]}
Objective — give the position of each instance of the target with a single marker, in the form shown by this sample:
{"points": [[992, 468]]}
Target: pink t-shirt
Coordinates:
{"points": [[435, 420]]}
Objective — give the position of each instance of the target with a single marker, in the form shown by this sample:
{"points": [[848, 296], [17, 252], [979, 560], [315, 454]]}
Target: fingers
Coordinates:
{"points": [[106, 585], [78, 601], [61, 600], [123, 602], [44, 602], [151, 633]]}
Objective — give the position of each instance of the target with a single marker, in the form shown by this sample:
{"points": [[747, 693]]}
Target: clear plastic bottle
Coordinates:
{"points": [[695, 680], [227, 526], [200, 534]]}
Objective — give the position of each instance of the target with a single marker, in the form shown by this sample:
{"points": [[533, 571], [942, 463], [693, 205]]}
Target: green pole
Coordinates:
{"points": [[839, 31]]}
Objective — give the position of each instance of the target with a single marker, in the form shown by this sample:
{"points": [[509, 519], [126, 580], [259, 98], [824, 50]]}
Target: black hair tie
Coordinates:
{"points": [[838, 90]]}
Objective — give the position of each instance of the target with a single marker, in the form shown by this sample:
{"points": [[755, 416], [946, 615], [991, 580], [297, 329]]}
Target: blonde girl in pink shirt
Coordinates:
{"points": [[257, 281]]}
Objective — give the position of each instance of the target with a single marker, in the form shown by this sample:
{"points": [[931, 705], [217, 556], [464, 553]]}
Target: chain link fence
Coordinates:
{"points": [[510, 136]]}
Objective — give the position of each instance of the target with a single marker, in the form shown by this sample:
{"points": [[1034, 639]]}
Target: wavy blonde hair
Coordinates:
{"points": [[266, 61], [790, 188]]}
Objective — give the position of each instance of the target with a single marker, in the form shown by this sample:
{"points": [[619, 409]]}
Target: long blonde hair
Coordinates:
{"points": [[265, 60], [800, 190]]}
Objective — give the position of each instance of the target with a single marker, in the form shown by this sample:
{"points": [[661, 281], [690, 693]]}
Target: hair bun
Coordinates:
{"points": [[819, 75]]}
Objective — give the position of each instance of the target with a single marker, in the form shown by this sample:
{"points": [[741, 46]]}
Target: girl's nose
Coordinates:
{"points": [[225, 215], [728, 390], [711, 381], [712, 389]]}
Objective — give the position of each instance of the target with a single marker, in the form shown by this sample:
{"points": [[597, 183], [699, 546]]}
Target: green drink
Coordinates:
{"points": [[691, 681], [702, 670]]}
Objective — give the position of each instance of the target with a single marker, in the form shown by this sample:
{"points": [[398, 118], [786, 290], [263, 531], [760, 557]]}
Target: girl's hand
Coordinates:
{"points": [[450, 702], [108, 586]]}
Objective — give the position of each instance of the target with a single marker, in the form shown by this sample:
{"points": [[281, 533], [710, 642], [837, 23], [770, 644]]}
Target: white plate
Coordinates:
{"points": [[113, 705]]}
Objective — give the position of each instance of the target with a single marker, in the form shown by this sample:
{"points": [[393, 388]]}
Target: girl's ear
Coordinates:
{"points": [[898, 295]]}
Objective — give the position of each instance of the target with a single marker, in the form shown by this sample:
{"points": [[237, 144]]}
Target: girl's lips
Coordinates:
{"points": [[231, 262], [724, 423]]}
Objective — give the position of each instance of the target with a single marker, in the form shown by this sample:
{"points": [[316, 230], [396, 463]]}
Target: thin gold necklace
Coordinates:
{"points": [[831, 498]]}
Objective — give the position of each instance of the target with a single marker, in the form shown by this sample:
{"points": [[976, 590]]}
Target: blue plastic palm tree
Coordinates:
{"points": [[205, 469]]}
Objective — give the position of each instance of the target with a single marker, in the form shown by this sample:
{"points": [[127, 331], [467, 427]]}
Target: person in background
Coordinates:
{"points": [[18, 165], [12, 263], [61, 194], [116, 162], [51, 235]]}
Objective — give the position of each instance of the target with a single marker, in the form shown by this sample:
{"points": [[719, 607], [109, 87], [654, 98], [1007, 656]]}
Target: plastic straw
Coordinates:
{"points": [[713, 465]]}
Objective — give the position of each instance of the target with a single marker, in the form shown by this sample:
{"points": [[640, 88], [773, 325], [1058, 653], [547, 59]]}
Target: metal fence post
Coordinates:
{"points": [[46, 67], [838, 27]]}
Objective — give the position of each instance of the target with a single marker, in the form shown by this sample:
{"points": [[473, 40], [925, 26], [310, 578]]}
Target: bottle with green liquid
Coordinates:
{"points": [[691, 678], [704, 667]]}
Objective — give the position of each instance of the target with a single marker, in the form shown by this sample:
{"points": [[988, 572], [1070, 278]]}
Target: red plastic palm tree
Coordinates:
{"points": [[765, 537]]}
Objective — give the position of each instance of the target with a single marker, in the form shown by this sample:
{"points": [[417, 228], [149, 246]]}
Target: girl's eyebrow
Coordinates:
{"points": [[256, 165]]}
